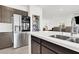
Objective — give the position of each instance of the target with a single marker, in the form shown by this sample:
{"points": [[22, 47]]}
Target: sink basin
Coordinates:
{"points": [[76, 40], [60, 37]]}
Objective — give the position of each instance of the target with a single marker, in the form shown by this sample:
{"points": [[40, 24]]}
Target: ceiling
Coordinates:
{"points": [[51, 10]]}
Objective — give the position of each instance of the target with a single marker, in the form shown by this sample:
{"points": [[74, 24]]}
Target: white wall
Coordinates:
{"points": [[35, 10], [57, 19], [5, 27]]}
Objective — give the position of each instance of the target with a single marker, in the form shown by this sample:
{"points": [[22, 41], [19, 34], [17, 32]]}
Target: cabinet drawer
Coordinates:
{"points": [[36, 39], [46, 51], [4, 43], [58, 49], [5, 34]]}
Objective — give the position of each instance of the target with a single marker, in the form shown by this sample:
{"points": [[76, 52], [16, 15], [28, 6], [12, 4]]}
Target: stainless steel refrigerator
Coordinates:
{"points": [[21, 24], [17, 30]]}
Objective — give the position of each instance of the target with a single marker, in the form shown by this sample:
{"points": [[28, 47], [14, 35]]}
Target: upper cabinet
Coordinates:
{"points": [[7, 14], [20, 12]]}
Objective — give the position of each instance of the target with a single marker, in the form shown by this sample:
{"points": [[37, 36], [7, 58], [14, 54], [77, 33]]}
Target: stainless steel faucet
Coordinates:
{"points": [[73, 25], [74, 29]]}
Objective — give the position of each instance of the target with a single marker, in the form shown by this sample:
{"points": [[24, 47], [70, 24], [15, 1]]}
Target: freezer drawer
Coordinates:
{"points": [[20, 39]]}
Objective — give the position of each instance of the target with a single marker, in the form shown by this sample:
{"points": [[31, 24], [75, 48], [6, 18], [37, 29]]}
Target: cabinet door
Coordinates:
{"points": [[38, 40], [46, 51], [5, 40], [35, 47], [20, 12], [57, 49], [0, 14], [7, 14]]}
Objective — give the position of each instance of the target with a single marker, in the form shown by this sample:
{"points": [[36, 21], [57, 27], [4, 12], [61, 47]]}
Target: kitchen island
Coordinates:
{"points": [[48, 45]]}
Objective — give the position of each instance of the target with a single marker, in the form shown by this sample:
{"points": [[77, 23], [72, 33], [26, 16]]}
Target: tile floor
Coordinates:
{"points": [[22, 50]]}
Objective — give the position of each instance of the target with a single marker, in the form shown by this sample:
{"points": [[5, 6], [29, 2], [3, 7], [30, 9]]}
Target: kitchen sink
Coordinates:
{"points": [[76, 40], [62, 37]]}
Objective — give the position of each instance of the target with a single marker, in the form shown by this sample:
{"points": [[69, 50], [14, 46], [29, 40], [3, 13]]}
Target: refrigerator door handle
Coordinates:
{"points": [[17, 28]]}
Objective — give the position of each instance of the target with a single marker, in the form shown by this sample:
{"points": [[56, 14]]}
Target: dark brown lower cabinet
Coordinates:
{"points": [[40, 46], [57, 49], [5, 40], [46, 50], [35, 47]]}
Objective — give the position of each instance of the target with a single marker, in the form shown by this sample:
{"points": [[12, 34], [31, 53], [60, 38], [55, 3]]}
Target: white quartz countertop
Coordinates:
{"points": [[45, 35]]}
